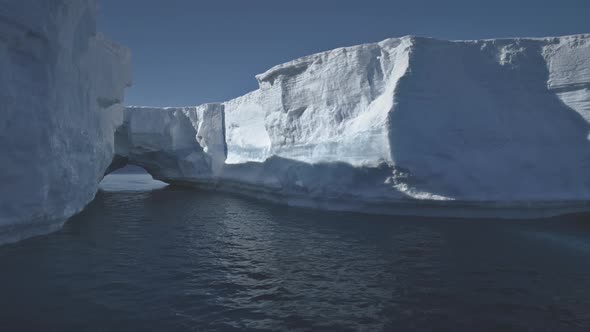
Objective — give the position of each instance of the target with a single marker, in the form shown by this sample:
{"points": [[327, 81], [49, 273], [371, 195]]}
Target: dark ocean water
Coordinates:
{"points": [[175, 259]]}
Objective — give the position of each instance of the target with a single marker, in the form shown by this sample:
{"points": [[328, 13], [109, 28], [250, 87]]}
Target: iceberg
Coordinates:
{"points": [[409, 125], [61, 92]]}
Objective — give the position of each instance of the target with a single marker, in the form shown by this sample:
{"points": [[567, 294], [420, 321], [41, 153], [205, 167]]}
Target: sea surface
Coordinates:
{"points": [[147, 257]]}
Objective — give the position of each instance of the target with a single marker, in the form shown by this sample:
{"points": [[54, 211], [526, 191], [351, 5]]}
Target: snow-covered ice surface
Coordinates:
{"points": [[408, 125], [61, 89]]}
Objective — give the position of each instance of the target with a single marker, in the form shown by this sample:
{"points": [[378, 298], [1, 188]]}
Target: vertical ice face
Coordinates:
{"points": [[327, 107], [246, 135], [568, 60], [209, 121], [61, 88], [486, 120]]}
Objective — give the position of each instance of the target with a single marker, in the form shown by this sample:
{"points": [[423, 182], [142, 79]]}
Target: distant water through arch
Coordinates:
{"points": [[130, 178]]}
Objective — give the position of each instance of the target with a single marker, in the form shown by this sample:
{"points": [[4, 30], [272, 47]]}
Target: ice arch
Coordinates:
{"points": [[130, 179], [172, 143]]}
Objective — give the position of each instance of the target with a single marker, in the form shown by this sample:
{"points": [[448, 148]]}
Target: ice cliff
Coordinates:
{"points": [[405, 122], [61, 89]]}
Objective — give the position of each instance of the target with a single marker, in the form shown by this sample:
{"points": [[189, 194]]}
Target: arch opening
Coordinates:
{"points": [[129, 178]]}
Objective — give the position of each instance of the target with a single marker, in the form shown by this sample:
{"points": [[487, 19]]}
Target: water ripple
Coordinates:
{"points": [[181, 260]]}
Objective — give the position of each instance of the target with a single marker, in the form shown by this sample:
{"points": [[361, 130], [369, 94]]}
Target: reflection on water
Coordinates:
{"points": [[179, 260]]}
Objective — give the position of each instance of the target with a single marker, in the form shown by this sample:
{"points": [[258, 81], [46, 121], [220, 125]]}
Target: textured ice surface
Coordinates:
{"points": [[496, 122], [61, 88], [491, 120], [328, 107]]}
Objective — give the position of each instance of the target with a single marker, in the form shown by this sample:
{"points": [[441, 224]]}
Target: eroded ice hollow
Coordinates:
{"points": [[494, 128]]}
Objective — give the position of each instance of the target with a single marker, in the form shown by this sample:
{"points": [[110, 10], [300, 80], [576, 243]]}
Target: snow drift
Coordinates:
{"points": [[61, 88], [405, 122]]}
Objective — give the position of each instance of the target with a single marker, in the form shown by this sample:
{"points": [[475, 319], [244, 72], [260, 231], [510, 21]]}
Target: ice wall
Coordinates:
{"points": [[489, 122], [485, 121], [327, 107], [61, 89]]}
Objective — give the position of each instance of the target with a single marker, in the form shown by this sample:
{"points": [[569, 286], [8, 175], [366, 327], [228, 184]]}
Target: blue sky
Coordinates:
{"points": [[189, 52]]}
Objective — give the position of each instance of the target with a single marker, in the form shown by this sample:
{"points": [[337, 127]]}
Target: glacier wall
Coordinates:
{"points": [[489, 123], [61, 93]]}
